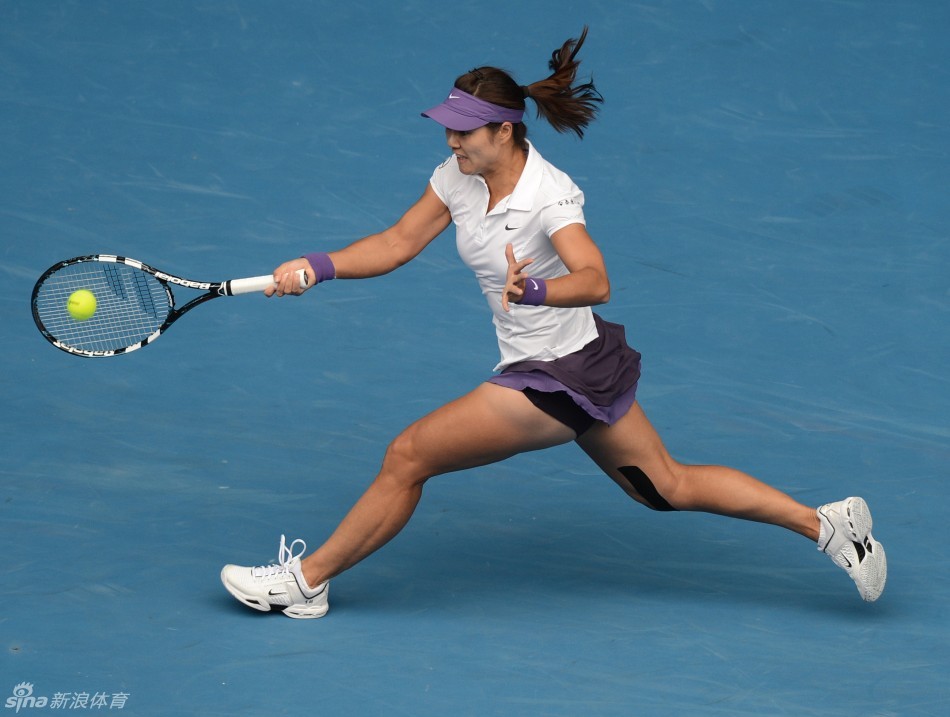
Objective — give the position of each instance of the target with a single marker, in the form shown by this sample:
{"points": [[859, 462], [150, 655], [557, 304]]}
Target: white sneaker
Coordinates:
{"points": [[845, 535], [280, 585]]}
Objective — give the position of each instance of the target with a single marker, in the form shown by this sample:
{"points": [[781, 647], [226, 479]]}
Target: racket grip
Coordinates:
{"points": [[258, 283]]}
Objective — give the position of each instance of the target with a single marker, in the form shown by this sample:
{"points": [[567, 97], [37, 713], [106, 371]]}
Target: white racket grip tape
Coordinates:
{"points": [[258, 283]]}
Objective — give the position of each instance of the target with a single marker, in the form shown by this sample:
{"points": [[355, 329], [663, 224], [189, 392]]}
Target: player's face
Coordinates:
{"points": [[476, 151]]}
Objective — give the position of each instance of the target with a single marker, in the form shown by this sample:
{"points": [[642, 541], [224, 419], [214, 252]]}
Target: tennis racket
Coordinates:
{"points": [[134, 303]]}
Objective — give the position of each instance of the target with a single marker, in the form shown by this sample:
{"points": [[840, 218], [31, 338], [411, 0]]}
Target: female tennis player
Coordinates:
{"points": [[565, 374]]}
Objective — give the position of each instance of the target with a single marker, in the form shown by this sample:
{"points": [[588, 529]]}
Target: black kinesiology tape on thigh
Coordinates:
{"points": [[644, 486]]}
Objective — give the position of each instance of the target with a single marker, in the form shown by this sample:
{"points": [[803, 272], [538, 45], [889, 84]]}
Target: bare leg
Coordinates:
{"points": [[632, 441], [487, 425]]}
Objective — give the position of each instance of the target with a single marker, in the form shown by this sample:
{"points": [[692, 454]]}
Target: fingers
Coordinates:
{"points": [[510, 253], [515, 267], [287, 278], [514, 280]]}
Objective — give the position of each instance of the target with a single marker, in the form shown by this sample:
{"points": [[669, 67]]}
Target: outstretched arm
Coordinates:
{"points": [[379, 253]]}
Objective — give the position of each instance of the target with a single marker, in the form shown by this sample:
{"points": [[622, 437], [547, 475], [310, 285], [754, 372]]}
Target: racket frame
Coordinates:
{"points": [[212, 289]]}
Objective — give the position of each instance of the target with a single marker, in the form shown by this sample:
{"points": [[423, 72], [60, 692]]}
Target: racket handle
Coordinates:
{"points": [[257, 283]]}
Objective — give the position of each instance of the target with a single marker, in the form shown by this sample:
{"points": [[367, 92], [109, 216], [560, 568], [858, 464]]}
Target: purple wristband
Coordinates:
{"points": [[535, 290], [322, 266]]}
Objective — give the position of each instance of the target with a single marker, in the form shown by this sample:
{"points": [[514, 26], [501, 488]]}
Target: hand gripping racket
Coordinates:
{"points": [[134, 303]]}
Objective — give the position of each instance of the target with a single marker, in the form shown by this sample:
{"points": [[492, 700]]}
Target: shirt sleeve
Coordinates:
{"points": [[569, 209], [439, 181]]}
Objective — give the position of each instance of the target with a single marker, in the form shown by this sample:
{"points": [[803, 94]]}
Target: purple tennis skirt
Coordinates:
{"points": [[600, 378]]}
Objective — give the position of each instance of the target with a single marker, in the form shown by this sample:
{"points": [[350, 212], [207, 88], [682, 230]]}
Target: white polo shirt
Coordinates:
{"points": [[544, 201]]}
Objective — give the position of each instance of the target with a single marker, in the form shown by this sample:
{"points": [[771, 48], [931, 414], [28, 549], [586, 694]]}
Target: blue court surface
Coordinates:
{"points": [[769, 183]]}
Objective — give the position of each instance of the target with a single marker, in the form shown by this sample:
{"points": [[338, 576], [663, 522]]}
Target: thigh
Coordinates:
{"points": [[487, 425]]}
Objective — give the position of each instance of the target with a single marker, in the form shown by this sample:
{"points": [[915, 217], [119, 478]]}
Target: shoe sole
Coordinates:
{"points": [[295, 611], [310, 613], [859, 519], [873, 571]]}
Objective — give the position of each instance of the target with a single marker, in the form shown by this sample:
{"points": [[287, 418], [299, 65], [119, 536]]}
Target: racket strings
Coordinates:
{"points": [[114, 279], [131, 305], [141, 284]]}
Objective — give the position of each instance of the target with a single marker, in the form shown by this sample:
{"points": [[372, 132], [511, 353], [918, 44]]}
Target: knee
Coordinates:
{"points": [[659, 491], [402, 462]]}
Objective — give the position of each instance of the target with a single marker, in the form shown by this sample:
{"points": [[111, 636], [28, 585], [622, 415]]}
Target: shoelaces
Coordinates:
{"points": [[285, 556]]}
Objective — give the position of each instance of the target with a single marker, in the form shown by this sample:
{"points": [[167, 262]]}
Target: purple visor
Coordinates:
{"points": [[463, 112]]}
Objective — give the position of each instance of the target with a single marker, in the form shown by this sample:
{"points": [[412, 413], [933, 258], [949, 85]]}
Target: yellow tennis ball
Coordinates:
{"points": [[81, 304]]}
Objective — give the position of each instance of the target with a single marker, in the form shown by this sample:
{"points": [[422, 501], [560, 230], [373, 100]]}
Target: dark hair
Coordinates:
{"points": [[566, 106]]}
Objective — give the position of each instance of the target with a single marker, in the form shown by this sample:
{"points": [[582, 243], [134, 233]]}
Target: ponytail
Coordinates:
{"points": [[567, 107]]}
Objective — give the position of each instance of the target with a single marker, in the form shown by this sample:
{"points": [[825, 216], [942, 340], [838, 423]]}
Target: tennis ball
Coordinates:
{"points": [[81, 304]]}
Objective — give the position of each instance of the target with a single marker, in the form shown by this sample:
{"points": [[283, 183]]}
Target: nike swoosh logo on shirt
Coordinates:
{"points": [[454, 97], [510, 229]]}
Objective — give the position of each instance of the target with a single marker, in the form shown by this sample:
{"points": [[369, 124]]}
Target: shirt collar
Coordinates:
{"points": [[522, 198]]}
